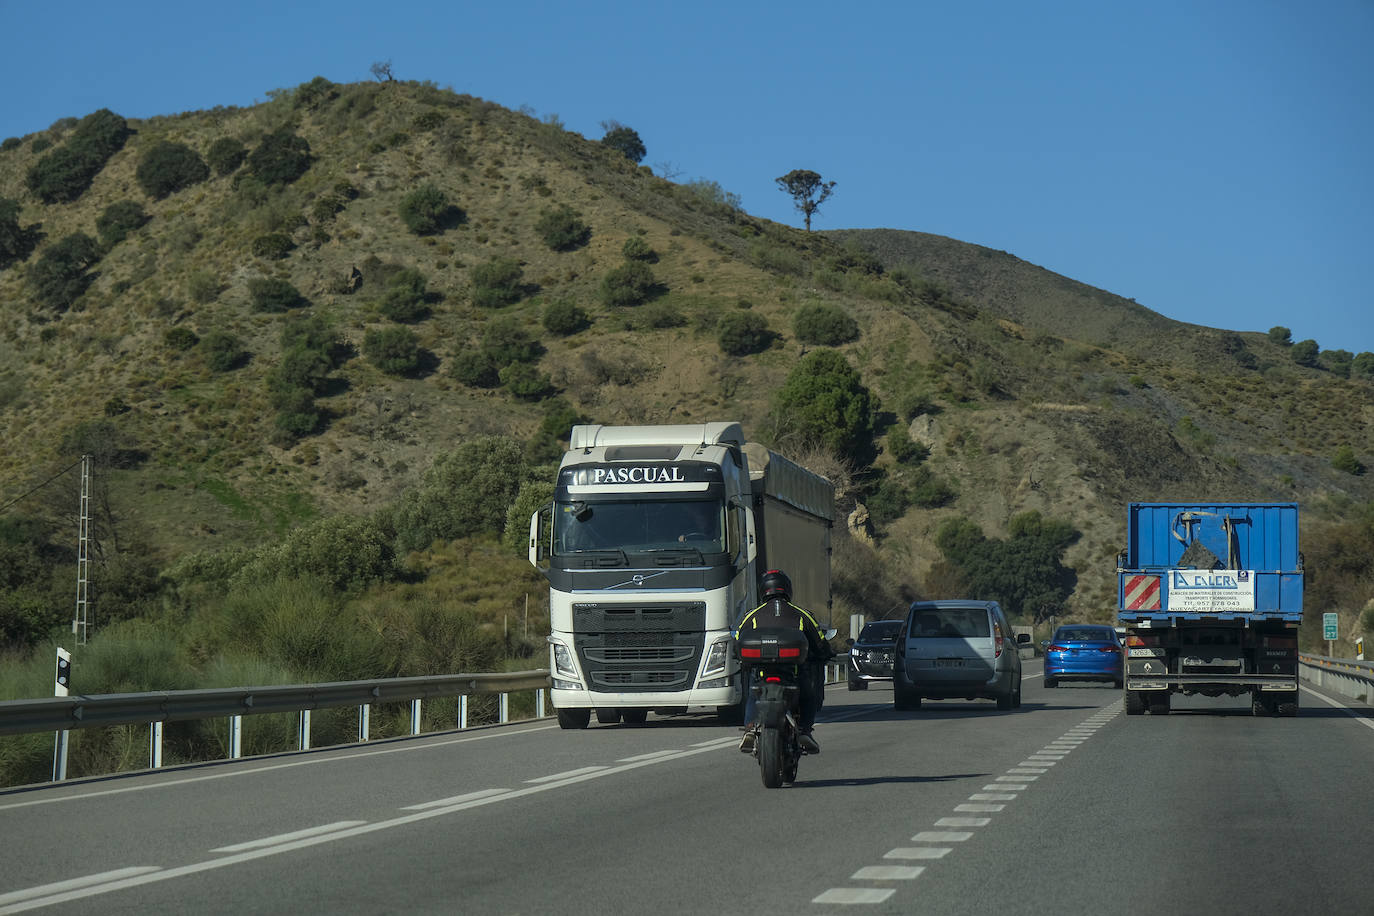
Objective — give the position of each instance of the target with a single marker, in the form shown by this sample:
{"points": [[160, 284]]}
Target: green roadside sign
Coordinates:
{"points": [[1329, 626]]}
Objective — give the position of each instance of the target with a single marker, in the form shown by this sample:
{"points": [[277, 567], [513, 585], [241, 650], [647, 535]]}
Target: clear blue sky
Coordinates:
{"points": [[1211, 159]]}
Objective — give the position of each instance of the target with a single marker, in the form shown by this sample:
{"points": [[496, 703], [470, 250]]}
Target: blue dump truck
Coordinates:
{"points": [[1210, 596]]}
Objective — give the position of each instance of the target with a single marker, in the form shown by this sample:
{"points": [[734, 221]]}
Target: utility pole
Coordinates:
{"points": [[81, 620]]}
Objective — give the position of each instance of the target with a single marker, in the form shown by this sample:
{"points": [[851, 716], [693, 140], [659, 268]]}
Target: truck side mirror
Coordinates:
{"points": [[539, 535]]}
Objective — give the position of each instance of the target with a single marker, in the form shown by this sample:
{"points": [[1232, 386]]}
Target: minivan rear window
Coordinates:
{"points": [[949, 623]]}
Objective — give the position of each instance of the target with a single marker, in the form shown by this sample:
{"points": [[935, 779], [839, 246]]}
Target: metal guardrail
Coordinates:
{"points": [[1346, 676]]}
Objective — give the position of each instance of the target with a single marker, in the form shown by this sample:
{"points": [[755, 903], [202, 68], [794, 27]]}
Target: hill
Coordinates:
{"points": [[431, 236]]}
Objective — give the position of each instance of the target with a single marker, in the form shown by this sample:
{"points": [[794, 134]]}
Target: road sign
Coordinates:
{"points": [[1329, 626]]}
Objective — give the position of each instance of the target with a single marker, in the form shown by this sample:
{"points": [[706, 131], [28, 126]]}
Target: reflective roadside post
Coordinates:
{"points": [[62, 681]]}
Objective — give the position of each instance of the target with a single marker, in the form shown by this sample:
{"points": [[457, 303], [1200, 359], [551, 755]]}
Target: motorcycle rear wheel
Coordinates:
{"points": [[771, 761]]}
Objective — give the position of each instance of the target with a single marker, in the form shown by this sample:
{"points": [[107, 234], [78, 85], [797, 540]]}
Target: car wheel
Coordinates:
{"points": [[574, 718], [1051, 682], [1016, 698], [858, 685], [1117, 683]]}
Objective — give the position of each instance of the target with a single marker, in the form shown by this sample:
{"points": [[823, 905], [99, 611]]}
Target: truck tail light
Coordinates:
{"points": [[1148, 640]]}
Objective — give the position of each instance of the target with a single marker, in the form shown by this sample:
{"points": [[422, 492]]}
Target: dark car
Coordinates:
{"points": [[1083, 652], [870, 656], [957, 649]]}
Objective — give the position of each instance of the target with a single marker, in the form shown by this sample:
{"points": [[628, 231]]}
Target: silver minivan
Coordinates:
{"points": [[957, 649]]}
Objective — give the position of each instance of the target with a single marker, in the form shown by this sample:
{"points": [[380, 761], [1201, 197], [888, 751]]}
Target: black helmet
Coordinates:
{"points": [[777, 585]]}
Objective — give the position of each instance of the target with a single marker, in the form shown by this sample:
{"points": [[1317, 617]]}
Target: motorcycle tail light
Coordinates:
{"points": [[789, 653], [751, 653], [774, 680]]}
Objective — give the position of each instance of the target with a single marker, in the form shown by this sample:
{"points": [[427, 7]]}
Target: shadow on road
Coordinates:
{"points": [[884, 780]]}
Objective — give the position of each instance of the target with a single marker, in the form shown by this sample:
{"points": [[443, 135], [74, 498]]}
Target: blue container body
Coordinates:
{"points": [[1260, 539]]}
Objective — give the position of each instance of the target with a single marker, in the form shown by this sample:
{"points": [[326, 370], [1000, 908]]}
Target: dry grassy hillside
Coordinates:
{"points": [[1036, 392]]}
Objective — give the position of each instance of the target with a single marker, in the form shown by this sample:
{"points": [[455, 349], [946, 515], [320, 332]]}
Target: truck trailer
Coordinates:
{"points": [[653, 546], [1210, 596]]}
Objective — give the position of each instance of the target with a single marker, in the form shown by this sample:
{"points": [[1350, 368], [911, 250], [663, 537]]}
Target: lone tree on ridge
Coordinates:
{"points": [[807, 190]]}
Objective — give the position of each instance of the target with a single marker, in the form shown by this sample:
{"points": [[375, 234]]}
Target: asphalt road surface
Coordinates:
{"points": [[1064, 806]]}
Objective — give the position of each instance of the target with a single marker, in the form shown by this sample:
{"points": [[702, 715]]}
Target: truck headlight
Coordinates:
{"points": [[716, 658], [562, 661]]}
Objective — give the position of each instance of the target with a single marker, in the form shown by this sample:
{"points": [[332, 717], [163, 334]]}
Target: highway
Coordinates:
{"points": [[1063, 806]]}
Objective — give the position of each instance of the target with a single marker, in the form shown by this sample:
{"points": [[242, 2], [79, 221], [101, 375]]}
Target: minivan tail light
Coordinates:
{"points": [[997, 640]]}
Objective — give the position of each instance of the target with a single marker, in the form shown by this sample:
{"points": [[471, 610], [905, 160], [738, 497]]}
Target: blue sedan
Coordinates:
{"points": [[1082, 652]]}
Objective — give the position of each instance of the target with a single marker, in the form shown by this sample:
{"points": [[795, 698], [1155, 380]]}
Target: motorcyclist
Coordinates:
{"points": [[778, 610]]}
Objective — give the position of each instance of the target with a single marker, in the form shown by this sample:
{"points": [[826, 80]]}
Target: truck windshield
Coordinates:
{"points": [[639, 525]]}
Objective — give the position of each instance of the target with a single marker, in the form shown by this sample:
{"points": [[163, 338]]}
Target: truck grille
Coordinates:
{"points": [[639, 647]]}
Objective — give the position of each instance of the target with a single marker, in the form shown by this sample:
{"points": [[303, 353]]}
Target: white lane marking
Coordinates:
{"points": [[649, 756], [1038, 763], [455, 799], [1019, 778], [992, 796], [963, 822], [887, 872], [942, 836], [1004, 787], [848, 895], [570, 774], [1367, 723], [919, 852], [72, 883], [136, 880], [318, 756], [980, 807], [1023, 771], [716, 742], [289, 837]]}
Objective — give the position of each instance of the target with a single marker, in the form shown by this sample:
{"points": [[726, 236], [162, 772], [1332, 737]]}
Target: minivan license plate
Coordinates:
{"points": [[949, 663]]}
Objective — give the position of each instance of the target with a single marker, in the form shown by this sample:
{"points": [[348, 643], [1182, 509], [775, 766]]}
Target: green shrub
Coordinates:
{"points": [[465, 492], [505, 341], [1363, 364], [824, 324], [11, 143], [117, 220], [496, 283], [273, 246], [280, 158], [301, 368], [272, 294], [203, 286], [526, 382], [428, 120], [59, 277], [625, 141], [1346, 461], [562, 229], [404, 299], [16, 242], [824, 401], [474, 368], [225, 155], [929, 491], [425, 210], [661, 315], [564, 317], [904, 449], [169, 167], [1305, 353], [297, 413], [314, 93], [325, 206], [628, 285], [180, 338], [888, 501], [222, 351], [1280, 335], [395, 351], [64, 174], [636, 249], [742, 333]]}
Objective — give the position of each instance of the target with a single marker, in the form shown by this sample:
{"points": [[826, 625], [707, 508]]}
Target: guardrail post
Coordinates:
{"points": [[415, 717], [364, 721], [463, 710], [235, 737], [155, 745], [503, 705], [305, 729], [59, 758], [539, 703]]}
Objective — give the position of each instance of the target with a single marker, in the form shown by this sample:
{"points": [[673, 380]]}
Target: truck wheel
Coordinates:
{"points": [[1135, 703], [1159, 703], [1261, 705], [1288, 704], [574, 718], [635, 716], [607, 716]]}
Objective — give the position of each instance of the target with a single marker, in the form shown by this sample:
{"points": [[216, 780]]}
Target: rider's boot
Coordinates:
{"points": [[808, 743], [746, 744]]}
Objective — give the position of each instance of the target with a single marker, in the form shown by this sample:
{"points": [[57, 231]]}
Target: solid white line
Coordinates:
{"points": [[289, 837], [887, 872], [639, 757], [71, 883], [919, 852], [1342, 707], [847, 895], [456, 799], [570, 774], [317, 756]]}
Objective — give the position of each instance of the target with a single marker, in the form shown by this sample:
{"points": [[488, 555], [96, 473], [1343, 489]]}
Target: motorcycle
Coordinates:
{"points": [[773, 660]]}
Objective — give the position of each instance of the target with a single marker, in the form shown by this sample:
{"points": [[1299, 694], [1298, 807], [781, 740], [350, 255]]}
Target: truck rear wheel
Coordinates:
{"points": [[574, 718], [1288, 704], [1260, 705], [1135, 703]]}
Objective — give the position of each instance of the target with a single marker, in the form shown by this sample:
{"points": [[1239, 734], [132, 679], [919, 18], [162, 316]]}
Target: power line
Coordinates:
{"points": [[40, 486]]}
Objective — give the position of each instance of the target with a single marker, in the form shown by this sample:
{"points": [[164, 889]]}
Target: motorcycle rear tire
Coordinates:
{"points": [[771, 762]]}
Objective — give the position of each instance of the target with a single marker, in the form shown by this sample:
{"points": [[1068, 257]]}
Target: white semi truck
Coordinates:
{"points": [[653, 547]]}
